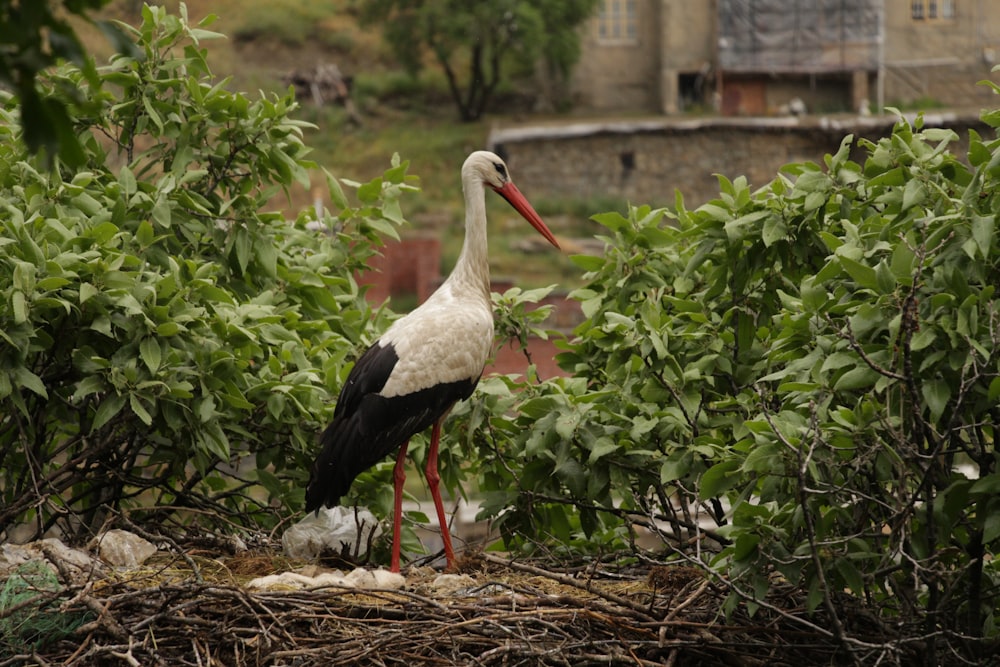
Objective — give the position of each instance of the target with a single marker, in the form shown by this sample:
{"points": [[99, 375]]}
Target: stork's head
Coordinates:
{"points": [[490, 170], [486, 167]]}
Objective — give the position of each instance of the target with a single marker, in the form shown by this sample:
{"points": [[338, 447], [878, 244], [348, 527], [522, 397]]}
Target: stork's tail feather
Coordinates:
{"points": [[330, 478]]}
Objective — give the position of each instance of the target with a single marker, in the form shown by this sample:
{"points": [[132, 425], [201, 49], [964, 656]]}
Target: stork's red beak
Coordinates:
{"points": [[514, 197]]}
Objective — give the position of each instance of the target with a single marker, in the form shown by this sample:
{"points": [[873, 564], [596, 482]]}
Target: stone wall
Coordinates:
{"points": [[645, 162]]}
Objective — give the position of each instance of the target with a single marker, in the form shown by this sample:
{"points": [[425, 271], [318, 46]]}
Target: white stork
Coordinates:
{"points": [[424, 363]]}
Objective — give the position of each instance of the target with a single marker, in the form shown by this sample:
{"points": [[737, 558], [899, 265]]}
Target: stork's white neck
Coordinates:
{"points": [[472, 271]]}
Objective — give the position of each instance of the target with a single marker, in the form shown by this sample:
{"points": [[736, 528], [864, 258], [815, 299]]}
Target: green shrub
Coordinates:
{"points": [[794, 375], [165, 341]]}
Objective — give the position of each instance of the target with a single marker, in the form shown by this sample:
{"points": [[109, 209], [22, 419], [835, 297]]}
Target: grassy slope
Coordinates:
{"points": [[418, 122]]}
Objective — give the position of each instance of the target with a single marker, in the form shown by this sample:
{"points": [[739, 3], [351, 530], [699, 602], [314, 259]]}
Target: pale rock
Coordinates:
{"points": [[362, 578], [282, 581], [120, 548], [359, 578], [380, 578], [452, 584], [388, 580], [78, 564], [327, 579]]}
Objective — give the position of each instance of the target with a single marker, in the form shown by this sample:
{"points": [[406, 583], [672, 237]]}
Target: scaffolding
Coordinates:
{"points": [[799, 36]]}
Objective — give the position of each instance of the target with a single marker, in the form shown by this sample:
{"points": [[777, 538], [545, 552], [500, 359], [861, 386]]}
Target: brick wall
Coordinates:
{"points": [[411, 266]]}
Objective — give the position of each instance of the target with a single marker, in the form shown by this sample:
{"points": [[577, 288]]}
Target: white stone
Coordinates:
{"points": [[452, 584], [120, 548], [359, 578], [74, 561], [362, 578], [326, 579], [282, 581], [388, 580]]}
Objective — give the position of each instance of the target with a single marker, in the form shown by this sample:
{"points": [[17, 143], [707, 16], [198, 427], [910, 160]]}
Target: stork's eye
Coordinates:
{"points": [[502, 170]]}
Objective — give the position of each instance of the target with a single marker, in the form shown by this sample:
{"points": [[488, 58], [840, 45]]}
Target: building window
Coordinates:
{"points": [[616, 22], [922, 10]]}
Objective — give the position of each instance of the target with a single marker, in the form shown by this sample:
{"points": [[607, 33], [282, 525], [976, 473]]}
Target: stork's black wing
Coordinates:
{"points": [[367, 426]]}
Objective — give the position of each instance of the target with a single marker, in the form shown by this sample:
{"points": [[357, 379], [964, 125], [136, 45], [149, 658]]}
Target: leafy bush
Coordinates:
{"points": [[801, 381], [36, 36], [165, 342]]}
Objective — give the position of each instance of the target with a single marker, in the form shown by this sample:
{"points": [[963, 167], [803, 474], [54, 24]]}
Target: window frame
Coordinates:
{"points": [[933, 10], [618, 22]]}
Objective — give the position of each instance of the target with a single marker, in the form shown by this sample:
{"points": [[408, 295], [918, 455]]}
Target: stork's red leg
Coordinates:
{"points": [[398, 477], [432, 483]]}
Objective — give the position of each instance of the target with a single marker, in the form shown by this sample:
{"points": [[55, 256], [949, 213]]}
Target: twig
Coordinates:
{"points": [[639, 609]]}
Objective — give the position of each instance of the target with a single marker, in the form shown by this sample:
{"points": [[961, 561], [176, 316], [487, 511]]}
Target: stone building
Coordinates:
{"points": [[770, 57]]}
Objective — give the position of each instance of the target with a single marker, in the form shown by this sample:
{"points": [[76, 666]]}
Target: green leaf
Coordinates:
{"points": [[766, 458], [986, 487], [168, 329], [676, 466], [775, 229], [612, 220], [336, 192], [243, 244], [574, 476], [719, 478], [25, 378], [913, 194], [206, 409], [851, 575], [87, 386], [20, 307], [978, 152], [862, 274], [149, 350], [566, 425], [983, 230], [370, 192], [923, 339], [601, 448], [893, 177], [127, 181], [856, 378], [885, 279], [814, 200], [162, 212], [144, 233], [936, 393], [109, 407], [745, 546], [588, 262], [902, 262], [991, 527], [87, 291], [140, 411]]}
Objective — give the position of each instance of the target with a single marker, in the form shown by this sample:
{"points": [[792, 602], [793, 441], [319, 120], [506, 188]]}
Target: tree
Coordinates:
{"points": [[34, 36], [494, 40]]}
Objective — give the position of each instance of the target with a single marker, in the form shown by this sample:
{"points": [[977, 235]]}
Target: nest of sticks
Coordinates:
{"points": [[197, 610]]}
